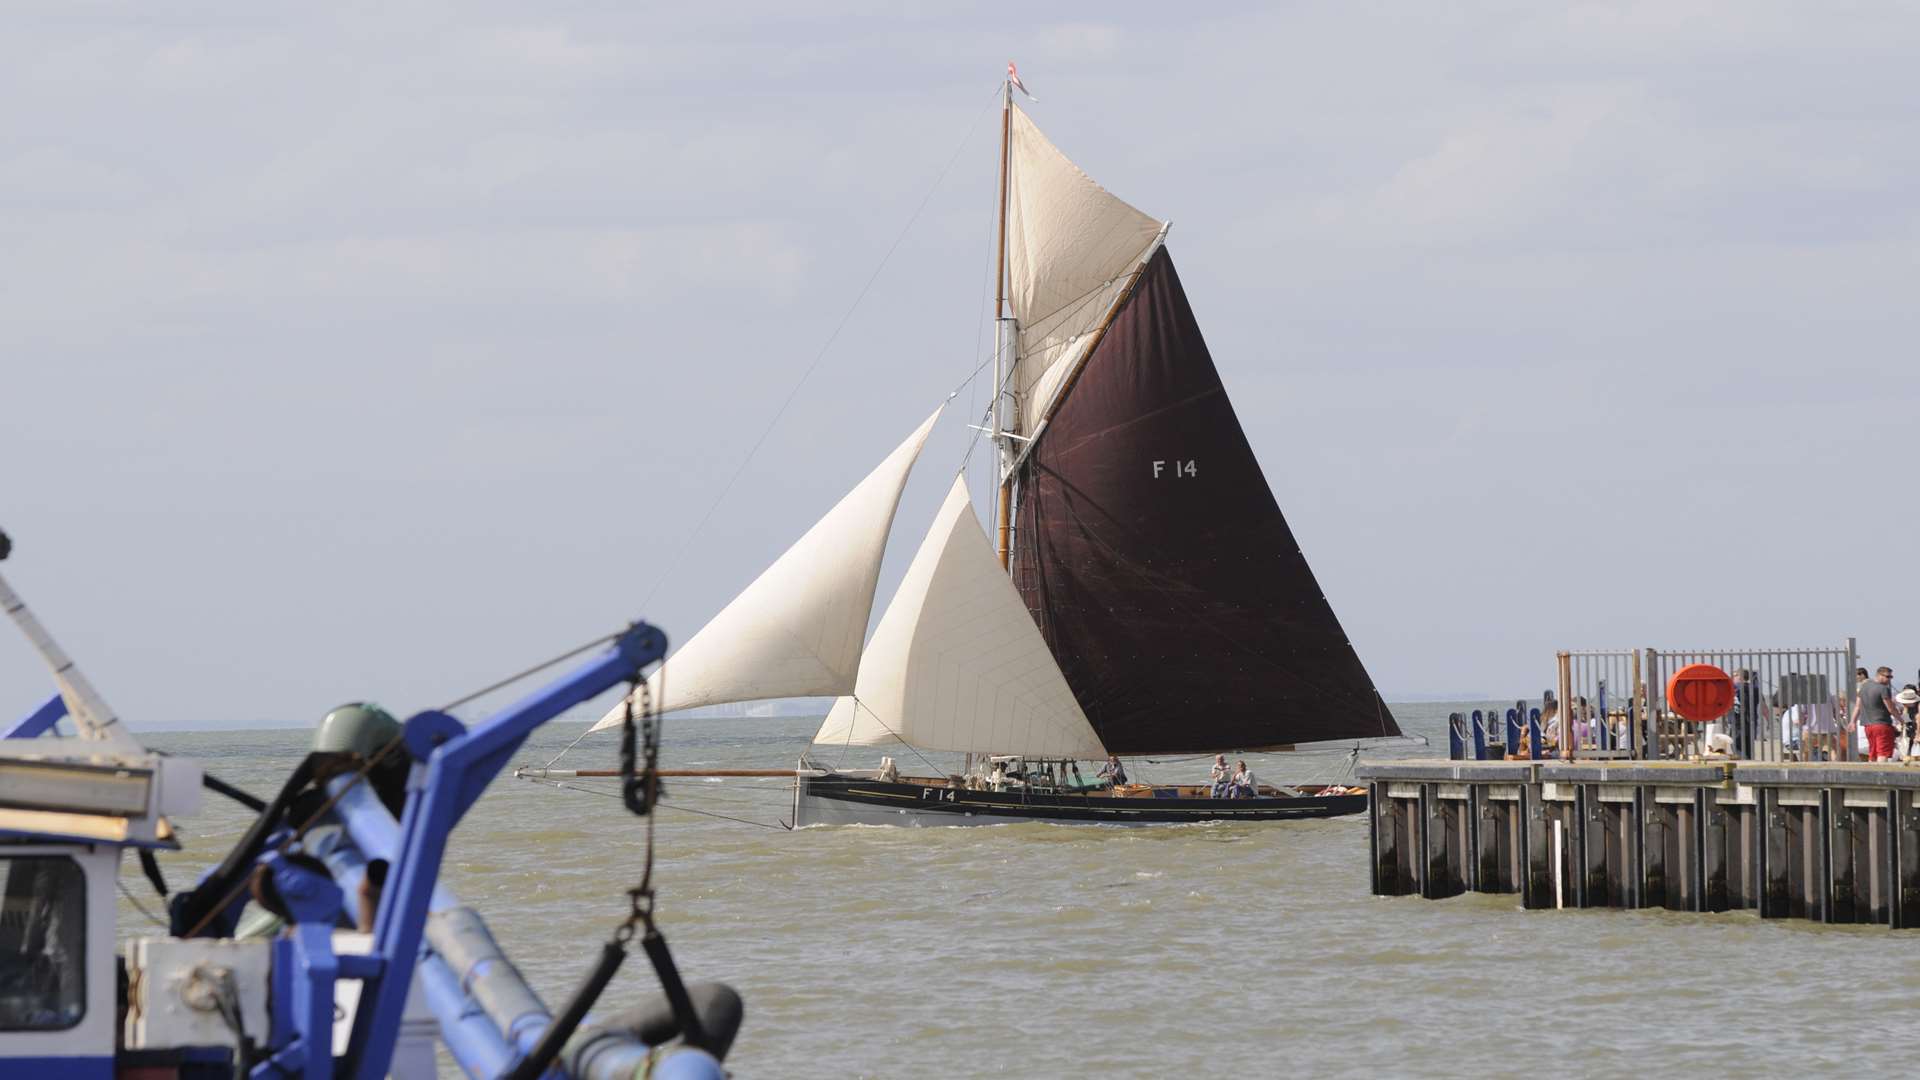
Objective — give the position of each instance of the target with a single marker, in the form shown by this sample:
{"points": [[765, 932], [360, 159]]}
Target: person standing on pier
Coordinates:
{"points": [[1908, 700], [1746, 713], [1873, 706]]}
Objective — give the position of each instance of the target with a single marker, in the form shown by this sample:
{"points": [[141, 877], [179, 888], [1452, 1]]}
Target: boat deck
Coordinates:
{"points": [[1134, 791], [865, 798]]}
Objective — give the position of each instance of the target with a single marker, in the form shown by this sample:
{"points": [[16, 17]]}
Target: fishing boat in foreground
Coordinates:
{"points": [[325, 943], [1143, 594]]}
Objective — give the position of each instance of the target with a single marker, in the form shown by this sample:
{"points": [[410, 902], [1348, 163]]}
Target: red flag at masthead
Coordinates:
{"points": [[1013, 78]]}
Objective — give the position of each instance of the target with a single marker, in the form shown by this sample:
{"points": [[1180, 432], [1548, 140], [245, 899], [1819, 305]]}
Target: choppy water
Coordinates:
{"points": [[1041, 950]]}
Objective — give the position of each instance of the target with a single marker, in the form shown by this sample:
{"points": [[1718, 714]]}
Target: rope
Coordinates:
{"points": [[138, 906]]}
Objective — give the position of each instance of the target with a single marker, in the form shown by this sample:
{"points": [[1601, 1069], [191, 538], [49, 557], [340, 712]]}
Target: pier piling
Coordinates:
{"points": [[1834, 842]]}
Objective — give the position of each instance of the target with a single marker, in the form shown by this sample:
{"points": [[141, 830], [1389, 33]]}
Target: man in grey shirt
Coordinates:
{"points": [[1873, 706]]}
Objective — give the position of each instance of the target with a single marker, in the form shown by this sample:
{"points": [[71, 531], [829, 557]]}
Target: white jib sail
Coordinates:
{"points": [[796, 631], [1071, 248], [957, 663]]}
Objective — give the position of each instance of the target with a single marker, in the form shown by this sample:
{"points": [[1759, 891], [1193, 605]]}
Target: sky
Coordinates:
{"points": [[356, 352]]}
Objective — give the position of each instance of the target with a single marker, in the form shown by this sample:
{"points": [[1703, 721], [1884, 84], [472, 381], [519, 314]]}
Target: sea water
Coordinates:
{"points": [[1075, 950]]}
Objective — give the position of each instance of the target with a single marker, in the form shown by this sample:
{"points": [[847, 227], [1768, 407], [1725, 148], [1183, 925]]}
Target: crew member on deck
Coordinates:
{"points": [[1243, 782], [1115, 773], [1219, 776]]}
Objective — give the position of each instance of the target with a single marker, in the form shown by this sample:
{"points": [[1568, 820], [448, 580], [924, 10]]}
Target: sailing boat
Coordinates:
{"points": [[1143, 593]]}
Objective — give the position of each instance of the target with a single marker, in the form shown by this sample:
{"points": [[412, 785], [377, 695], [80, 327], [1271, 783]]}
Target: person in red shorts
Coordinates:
{"points": [[1873, 707]]}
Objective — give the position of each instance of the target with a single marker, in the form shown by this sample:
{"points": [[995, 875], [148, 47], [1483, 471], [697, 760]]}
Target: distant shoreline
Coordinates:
{"points": [[589, 716]]}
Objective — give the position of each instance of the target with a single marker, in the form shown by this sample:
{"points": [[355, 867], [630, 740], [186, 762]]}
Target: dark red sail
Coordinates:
{"points": [[1158, 566]]}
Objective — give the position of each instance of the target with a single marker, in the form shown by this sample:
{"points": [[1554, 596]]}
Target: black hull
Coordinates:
{"points": [[836, 799]]}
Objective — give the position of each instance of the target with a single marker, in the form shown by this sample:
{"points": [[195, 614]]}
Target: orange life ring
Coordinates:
{"points": [[1700, 692]]}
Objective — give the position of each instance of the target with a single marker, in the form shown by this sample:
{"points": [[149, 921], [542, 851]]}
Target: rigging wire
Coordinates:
{"points": [[687, 538], [663, 805], [987, 273], [686, 541], [858, 704], [715, 792], [534, 670], [569, 746]]}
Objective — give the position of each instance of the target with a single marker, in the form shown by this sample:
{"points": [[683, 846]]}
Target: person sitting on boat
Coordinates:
{"points": [[1220, 777], [1114, 772], [997, 780], [1244, 784]]}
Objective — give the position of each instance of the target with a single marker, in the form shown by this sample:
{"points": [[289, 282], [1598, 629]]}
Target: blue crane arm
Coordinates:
{"points": [[453, 765]]}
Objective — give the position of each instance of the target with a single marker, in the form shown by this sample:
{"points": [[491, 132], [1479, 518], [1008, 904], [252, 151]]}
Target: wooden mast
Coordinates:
{"points": [[1003, 340]]}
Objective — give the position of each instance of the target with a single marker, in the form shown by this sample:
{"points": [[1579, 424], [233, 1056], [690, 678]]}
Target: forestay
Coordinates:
{"points": [[957, 663], [1071, 249], [796, 631]]}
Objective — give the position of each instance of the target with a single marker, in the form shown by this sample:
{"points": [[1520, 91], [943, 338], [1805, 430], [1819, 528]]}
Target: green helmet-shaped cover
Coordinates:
{"points": [[361, 727]]}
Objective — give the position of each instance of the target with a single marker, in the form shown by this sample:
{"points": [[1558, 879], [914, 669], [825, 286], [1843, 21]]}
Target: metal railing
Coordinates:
{"points": [[1789, 705], [1491, 735], [1601, 706]]}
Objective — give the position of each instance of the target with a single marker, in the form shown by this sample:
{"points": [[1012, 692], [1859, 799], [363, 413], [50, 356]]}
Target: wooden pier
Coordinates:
{"points": [[1835, 842]]}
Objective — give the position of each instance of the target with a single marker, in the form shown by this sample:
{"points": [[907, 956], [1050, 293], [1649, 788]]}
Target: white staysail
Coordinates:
{"points": [[957, 663], [1071, 249], [796, 631]]}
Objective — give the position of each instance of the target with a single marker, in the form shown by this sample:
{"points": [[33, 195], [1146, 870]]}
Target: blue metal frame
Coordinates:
{"points": [[39, 721], [305, 968], [453, 766], [476, 1044]]}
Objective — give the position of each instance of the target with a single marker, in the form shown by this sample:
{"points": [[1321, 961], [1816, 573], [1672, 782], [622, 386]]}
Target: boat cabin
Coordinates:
{"points": [[68, 811]]}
